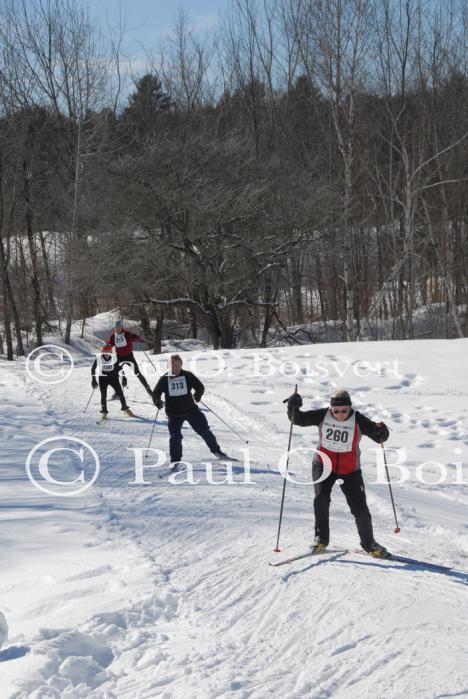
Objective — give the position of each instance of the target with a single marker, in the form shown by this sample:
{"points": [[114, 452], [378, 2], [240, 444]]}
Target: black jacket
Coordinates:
{"points": [[108, 375], [179, 404]]}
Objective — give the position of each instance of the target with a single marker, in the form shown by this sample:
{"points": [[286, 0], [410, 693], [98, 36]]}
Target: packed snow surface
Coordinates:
{"points": [[149, 589]]}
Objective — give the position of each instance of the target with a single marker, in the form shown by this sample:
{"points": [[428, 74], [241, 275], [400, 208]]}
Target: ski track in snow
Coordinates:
{"points": [[189, 605]]}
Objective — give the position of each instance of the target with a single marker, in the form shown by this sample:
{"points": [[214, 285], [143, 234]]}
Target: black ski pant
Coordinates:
{"points": [[355, 494], [104, 382], [130, 360], [197, 422]]}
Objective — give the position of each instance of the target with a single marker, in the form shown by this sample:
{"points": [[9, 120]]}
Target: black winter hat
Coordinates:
{"points": [[340, 397]]}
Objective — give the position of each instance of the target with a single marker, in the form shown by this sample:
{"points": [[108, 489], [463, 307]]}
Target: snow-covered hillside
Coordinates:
{"points": [[164, 590]]}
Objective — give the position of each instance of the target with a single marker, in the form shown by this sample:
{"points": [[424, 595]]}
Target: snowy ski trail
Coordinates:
{"points": [[165, 591]]}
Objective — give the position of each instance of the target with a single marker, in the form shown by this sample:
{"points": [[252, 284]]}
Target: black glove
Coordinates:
{"points": [[197, 396], [124, 381], [158, 403], [381, 433], [94, 383], [294, 401]]}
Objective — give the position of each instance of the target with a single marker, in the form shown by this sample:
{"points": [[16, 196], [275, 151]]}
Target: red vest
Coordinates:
{"points": [[339, 441], [130, 338]]}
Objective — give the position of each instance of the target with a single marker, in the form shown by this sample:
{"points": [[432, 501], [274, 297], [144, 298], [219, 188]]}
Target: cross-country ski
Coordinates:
{"points": [[308, 554]]}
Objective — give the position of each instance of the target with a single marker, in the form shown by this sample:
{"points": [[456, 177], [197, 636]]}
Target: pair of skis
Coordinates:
{"points": [[435, 567], [104, 418]]}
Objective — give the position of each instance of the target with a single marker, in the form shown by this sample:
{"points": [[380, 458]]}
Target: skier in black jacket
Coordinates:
{"points": [[108, 371], [181, 406], [340, 429]]}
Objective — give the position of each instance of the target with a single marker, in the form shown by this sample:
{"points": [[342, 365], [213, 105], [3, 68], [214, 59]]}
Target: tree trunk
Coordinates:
{"points": [[4, 278], [73, 240], [48, 279], [298, 311], [69, 317], [16, 320], [33, 253], [268, 309], [226, 331], [6, 318], [193, 326], [158, 332]]}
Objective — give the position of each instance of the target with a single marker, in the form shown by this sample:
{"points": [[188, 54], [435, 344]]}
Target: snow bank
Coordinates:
{"points": [[3, 630]]}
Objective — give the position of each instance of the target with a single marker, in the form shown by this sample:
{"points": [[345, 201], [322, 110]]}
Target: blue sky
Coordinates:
{"points": [[149, 20]]}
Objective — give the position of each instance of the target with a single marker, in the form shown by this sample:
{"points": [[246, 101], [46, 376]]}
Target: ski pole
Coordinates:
{"points": [[92, 394], [153, 365], [227, 424], [152, 432], [277, 549], [397, 528]]}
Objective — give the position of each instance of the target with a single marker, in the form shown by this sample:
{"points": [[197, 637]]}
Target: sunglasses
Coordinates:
{"points": [[343, 411]]}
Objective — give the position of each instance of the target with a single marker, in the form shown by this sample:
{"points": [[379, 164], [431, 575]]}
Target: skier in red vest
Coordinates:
{"points": [[340, 429], [123, 341]]}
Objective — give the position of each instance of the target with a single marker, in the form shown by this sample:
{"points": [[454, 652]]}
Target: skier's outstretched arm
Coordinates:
{"points": [[306, 418], [377, 431]]}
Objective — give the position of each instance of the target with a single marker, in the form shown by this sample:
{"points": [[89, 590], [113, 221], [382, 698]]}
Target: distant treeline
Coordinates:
{"points": [[306, 162]]}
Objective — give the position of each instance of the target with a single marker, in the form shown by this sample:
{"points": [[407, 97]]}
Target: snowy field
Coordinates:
{"points": [[164, 589]]}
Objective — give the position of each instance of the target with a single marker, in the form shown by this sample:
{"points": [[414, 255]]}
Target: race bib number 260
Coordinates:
{"points": [[338, 436]]}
